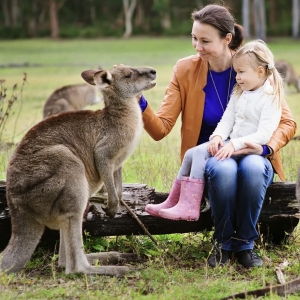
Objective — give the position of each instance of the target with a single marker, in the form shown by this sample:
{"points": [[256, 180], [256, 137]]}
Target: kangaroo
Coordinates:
{"points": [[288, 73], [71, 98], [66, 158]]}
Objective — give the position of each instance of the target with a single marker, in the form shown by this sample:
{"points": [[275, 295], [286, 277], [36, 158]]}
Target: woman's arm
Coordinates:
{"points": [[159, 124]]}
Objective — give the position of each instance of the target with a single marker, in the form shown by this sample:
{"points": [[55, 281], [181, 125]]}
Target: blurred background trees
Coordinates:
{"points": [[125, 18]]}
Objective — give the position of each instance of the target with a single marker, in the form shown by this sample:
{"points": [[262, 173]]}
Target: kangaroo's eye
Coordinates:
{"points": [[128, 75]]}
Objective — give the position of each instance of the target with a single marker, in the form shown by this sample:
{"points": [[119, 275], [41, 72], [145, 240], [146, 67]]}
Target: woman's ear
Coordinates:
{"points": [[228, 38]]}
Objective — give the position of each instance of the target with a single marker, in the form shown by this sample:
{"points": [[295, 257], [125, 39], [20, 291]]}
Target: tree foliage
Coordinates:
{"points": [[98, 18]]}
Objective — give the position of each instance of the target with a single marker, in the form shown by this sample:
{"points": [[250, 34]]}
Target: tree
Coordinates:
{"points": [[129, 7], [259, 19], [246, 17], [295, 17], [162, 8], [53, 15], [7, 19]]}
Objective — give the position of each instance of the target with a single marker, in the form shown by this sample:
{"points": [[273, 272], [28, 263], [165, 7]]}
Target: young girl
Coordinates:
{"points": [[252, 115]]}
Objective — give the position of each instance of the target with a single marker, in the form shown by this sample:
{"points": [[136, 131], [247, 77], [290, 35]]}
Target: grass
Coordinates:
{"points": [[155, 163]]}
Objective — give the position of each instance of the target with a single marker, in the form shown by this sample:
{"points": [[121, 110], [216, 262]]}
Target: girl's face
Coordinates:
{"points": [[207, 42], [248, 77]]}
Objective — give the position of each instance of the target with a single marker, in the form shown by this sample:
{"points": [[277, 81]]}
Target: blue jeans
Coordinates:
{"points": [[236, 191]]}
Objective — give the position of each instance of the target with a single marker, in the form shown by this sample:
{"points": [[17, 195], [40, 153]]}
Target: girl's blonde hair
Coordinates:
{"points": [[260, 55]]}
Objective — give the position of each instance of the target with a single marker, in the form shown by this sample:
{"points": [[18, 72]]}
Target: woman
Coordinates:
{"points": [[200, 89]]}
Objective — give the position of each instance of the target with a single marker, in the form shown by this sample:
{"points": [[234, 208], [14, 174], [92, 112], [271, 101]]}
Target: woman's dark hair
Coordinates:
{"points": [[219, 17]]}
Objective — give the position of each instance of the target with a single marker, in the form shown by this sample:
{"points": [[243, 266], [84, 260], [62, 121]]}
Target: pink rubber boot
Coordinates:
{"points": [[172, 200], [188, 206]]}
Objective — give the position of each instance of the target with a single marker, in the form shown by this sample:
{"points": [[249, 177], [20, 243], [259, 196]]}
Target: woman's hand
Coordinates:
{"points": [[214, 144], [225, 152], [251, 148]]}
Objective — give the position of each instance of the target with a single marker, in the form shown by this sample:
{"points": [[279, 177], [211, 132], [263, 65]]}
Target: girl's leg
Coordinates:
{"points": [[255, 176], [173, 198], [186, 165], [199, 160], [194, 162], [192, 187]]}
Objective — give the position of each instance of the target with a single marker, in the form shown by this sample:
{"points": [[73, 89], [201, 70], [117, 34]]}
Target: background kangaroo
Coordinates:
{"points": [[66, 158], [71, 98], [288, 73]]}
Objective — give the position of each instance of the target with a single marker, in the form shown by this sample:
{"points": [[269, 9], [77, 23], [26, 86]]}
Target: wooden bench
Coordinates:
{"points": [[278, 218]]}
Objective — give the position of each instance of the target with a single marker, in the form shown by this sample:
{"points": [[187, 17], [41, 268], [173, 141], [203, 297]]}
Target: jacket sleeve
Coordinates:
{"points": [[160, 124], [285, 131]]}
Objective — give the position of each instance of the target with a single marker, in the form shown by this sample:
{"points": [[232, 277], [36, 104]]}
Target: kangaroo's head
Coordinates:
{"points": [[123, 81]]}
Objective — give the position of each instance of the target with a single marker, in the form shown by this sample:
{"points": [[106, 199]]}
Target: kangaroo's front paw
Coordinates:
{"points": [[111, 211]]}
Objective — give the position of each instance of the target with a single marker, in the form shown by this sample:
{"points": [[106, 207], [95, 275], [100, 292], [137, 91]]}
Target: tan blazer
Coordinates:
{"points": [[185, 95]]}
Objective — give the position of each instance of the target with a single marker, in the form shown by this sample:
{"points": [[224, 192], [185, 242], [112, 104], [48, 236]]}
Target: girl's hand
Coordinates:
{"points": [[225, 152], [214, 144]]}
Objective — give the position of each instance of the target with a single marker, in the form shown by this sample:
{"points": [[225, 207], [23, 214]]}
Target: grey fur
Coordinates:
{"points": [[66, 158], [71, 98], [288, 73]]}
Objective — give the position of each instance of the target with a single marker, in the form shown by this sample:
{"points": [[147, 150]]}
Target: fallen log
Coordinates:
{"points": [[278, 218]]}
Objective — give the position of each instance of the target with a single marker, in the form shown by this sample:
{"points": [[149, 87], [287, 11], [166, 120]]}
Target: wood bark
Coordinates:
{"points": [[279, 215]]}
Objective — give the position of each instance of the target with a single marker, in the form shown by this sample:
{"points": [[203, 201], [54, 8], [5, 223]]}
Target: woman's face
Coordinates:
{"points": [[207, 42]]}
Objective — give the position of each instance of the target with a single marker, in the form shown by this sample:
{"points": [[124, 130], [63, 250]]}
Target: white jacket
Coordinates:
{"points": [[252, 117]]}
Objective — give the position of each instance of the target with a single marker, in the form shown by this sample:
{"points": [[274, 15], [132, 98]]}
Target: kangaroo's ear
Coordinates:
{"points": [[88, 76], [102, 78]]}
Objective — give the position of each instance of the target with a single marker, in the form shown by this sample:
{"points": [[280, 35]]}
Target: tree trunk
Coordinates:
{"points": [[166, 21], [32, 22], [93, 12], [140, 15], [278, 218], [15, 13], [259, 19], [295, 18], [6, 12], [246, 17], [272, 15], [54, 26], [129, 7]]}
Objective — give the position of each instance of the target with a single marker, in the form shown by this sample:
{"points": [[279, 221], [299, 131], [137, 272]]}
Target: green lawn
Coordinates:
{"points": [[154, 163], [53, 64]]}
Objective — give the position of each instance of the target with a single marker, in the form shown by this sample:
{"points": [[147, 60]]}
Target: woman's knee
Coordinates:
{"points": [[254, 164], [256, 170], [223, 168]]}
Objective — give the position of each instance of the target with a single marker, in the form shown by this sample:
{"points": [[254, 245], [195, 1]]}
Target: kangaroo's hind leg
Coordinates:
{"points": [[26, 233], [75, 259]]}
